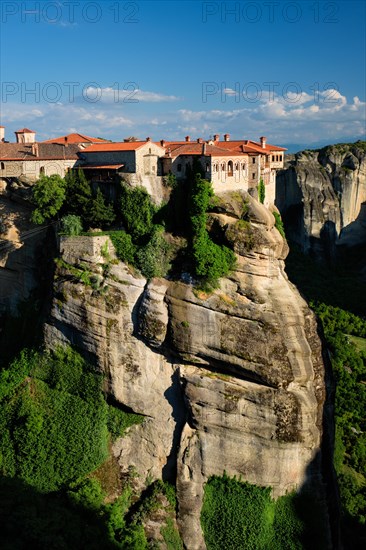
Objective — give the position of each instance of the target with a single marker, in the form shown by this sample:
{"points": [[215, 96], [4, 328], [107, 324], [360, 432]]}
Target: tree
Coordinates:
{"points": [[48, 195], [78, 193], [261, 191], [98, 212]]}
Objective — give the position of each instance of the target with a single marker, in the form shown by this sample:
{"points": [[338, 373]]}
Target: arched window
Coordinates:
{"points": [[223, 167], [243, 166], [150, 151], [41, 170], [230, 168], [253, 160], [236, 166]]}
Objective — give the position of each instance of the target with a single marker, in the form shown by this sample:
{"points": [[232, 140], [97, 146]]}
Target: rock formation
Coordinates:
{"points": [[232, 380], [322, 197]]}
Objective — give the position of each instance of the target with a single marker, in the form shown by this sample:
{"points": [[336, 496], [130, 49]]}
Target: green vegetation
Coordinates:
{"points": [[332, 292], [48, 196], [55, 429], [261, 191], [71, 225], [137, 211], [118, 421], [72, 195], [210, 260], [349, 367], [239, 516], [98, 212], [279, 224], [123, 245], [54, 422], [154, 258]]}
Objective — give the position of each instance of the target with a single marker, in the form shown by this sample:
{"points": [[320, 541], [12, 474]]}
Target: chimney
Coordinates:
{"points": [[25, 136], [216, 137], [204, 149], [263, 142], [66, 142], [148, 139], [227, 137], [35, 150], [2, 134], [162, 142], [188, 138], [199, 140]]}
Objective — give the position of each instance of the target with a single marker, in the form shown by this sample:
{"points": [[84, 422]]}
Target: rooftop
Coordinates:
{"points": [[75, 138]]}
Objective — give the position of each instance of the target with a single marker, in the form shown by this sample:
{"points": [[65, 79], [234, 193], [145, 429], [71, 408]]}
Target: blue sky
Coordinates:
{"points": [[293, 71]]}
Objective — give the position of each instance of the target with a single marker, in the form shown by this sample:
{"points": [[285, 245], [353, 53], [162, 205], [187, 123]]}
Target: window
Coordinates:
{"points": [[276, 158], [273, 157], [253, 175], [223, 167], [2, 166], [179, 168], [230, 167], [236, 166], [41, 170], [253, 160], [150, 151], [207, 167], [244, 166], [280, 157]]}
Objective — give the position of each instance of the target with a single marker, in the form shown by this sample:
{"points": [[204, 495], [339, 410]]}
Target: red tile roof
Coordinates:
{"points": [[120, 146], [101, 167], [46, 151], [24, 131], [75, 138]]}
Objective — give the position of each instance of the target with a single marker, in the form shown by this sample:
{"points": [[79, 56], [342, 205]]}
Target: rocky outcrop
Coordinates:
{"points": [[322, 197], [228, 381], [22, 255]]}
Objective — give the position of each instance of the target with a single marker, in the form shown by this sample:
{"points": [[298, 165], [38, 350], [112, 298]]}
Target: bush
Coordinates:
{"points": [[279, 224], [123, 245], [48, 195], [137, 211], [71, 225], [119, 420], [154, 258]]}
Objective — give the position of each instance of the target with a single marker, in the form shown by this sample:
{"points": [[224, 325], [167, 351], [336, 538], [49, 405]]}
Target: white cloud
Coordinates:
{"points": [[131, 93]]}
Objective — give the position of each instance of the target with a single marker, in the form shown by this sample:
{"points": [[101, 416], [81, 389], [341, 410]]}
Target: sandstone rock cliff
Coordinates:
{"points": [[322, 197], [229, 381]]}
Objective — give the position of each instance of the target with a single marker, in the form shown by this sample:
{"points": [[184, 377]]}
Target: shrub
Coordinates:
{"points": [[123, 245], [119, 420], [154, 258], [279, 224], [48, 195], [71, 225], [137, 211]]}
